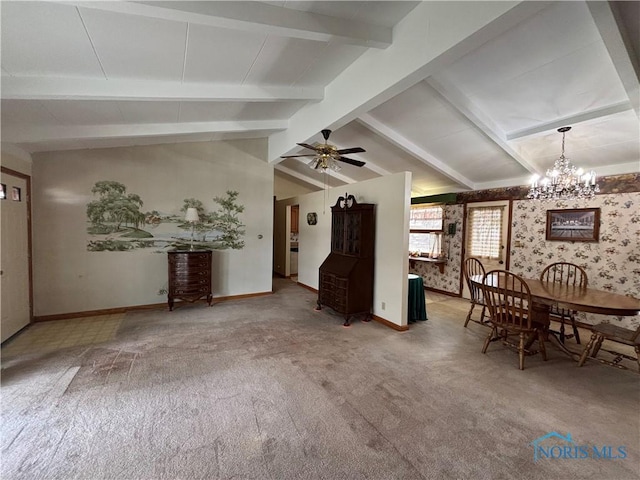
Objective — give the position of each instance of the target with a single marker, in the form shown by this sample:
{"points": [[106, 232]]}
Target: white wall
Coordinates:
{"points": [[283, 187], [392, 196], [15, 159], [68, 278]]}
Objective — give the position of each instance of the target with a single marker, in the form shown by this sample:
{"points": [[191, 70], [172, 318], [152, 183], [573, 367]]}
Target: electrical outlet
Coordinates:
{"points": [[384, 305]]}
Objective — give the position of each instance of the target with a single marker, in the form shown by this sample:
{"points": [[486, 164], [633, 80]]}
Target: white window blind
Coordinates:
{"points": [[485, 238], [426, 217]]}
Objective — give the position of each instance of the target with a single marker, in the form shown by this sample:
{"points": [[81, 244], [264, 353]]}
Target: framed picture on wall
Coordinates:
{"points": [[573, 225]]}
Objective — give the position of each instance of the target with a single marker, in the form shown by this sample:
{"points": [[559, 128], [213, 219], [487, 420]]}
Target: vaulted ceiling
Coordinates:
{"points": [[465, 95]]}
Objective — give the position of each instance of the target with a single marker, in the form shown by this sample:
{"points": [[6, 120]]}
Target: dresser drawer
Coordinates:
{"points": [[190, 290], [186, 257]]}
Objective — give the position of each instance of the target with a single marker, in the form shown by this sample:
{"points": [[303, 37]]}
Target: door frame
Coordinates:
{"points": [[27, 179], [507, 253]]}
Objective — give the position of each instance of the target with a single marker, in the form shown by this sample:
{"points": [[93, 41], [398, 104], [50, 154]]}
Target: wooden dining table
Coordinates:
{"points": [[544, 295]]}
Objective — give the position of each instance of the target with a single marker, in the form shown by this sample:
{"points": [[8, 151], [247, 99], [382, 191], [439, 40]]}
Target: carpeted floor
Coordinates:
{"points": [[267, 388]]}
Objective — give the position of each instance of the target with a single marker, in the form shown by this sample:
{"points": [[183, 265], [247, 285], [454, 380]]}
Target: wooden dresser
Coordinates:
{"points": [[346, 275], [189, 276]]}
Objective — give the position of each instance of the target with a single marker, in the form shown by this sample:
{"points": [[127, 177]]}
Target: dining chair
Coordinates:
{"points": [[472, 266], [565, 273], [613, 333], [509, 301]]}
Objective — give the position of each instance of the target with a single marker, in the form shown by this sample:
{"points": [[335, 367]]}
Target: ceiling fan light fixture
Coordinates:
{"points": [[564, 181]]}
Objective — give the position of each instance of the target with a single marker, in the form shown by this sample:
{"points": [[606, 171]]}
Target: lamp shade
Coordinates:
{"points": [[192, 215]]}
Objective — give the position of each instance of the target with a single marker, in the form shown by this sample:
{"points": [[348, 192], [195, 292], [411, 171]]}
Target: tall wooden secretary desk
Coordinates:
{"points": [[346, 276]]}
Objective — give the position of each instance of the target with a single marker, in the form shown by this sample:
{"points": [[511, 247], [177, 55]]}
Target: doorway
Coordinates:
{"points": [[15, 243], [293, 239], [487, 235]]}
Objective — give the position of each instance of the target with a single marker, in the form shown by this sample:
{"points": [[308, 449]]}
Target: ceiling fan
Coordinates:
{"points": [[326, 155]]}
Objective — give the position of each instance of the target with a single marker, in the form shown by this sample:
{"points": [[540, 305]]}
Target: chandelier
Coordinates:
{"points": [[564, 181]]}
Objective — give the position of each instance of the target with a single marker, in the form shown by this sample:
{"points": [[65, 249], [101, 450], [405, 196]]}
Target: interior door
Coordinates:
{"points": [[15, 298], [500, 260]]}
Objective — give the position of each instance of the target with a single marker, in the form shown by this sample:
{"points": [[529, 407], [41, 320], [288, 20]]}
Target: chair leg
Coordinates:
{"points": [[521, 351], [484, 308], [469, 314], [493, 331], [543, 350], [576, 334], [637, 349], [596, 347], [585, 352], [562, 335]]}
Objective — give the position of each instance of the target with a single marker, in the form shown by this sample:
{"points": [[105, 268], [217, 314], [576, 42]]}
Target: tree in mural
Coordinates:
{"points": [[114, 207], [224, 223]]}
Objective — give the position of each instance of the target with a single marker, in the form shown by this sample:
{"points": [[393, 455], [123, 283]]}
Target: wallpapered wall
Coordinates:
{"points": [[449, 281], [612, 264]]}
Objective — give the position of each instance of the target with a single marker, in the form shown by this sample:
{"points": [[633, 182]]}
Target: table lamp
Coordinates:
{"points": [[192, 217]]}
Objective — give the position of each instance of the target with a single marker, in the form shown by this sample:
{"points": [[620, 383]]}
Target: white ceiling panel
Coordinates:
{"points": [[219, 55], [421, 115], [380, 152], [282, 61], [132, 46], [330, 62], [44, 38], [581, 81], [471, 151], [557, 31]]}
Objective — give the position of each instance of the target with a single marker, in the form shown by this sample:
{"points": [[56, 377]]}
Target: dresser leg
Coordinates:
{"points": [[209, 299], [170, 301], [346, 323], [318, 306]]}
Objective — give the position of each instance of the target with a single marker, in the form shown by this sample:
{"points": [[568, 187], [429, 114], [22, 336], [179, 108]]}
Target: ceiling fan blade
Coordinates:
{"points": [[351, 161], [306, 145], [351, 150], [294, 156]]}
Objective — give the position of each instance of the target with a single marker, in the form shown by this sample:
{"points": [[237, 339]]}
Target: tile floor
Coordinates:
{"points": [[54, 335]]}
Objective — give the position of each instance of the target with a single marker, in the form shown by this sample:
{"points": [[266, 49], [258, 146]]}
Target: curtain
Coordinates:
{"points": [[485, 237]]}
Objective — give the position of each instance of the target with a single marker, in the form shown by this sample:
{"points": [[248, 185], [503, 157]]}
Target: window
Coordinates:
{"points": [[485, 232], [425, 228], [426, 217]]}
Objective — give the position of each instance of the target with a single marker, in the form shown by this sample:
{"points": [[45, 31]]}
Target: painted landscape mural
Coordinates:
{"points": [[118, 222]]}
